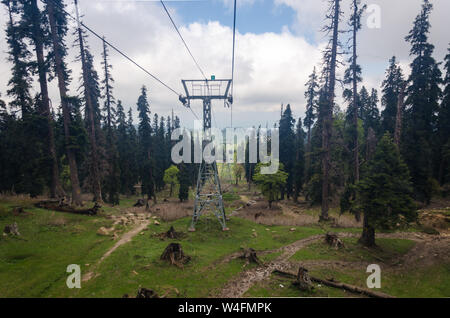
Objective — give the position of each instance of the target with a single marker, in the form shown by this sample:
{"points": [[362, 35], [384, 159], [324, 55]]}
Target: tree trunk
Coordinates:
{"points": [[56, 189], [96, 185], [368, 235], [328, 117], [308, 155], [355, 93], [442, 166], [151, 193], [108, 94], [59, 67], [399, 117]]}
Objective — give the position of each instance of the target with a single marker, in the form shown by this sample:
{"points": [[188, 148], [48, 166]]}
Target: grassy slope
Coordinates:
{"points": [[421, 282], [387, 250], [32, 263], [202, 277]]}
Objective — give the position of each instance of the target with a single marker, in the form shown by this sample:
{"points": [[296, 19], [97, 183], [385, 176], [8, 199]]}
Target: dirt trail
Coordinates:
{"points": [[127, 237], [244, 198], [239, 285]]}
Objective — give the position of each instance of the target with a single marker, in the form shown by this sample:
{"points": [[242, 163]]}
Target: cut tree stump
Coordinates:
{"points": [[12, 229], [174, 255], [20, 211], [333, 241], [146, 293], [139, 203], [171, 234], [250, 256], [303, 280]]}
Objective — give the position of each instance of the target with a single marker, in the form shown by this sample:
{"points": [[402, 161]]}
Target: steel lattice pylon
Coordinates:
{"points": [[208, 194]]}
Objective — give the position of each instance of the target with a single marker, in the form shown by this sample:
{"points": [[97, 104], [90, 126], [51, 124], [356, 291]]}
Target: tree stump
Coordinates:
{"points": [[171, 234], [139, 203], [175, 255], [303, 280], [12, 229], [333, 241], [146, 293], [18, 211], [250, 256]]}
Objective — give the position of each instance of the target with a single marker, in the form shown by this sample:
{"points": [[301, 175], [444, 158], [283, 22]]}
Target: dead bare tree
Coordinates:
{"points": [[330, 58]]}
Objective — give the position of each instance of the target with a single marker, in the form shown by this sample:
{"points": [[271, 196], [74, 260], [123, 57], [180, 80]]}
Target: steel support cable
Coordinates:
{"points": [[120, 52], [232, 61], [182, 39]]}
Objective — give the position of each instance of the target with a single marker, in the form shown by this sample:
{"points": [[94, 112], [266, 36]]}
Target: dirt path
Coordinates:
{"points": [[239, 285], [244, 198], [127, 237]]}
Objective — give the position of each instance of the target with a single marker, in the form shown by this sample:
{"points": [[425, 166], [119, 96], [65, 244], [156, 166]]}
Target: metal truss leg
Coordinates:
{"points": [[208, 195]]}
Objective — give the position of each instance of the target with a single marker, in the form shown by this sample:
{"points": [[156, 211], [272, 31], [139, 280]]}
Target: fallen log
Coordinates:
{"points": [[336, 284], [63, 207]]}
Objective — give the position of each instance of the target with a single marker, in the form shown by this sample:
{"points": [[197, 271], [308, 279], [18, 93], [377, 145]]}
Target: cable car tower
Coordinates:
{"points": [[208, 194]]}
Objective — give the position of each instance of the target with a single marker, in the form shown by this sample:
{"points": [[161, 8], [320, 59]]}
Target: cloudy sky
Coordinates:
{"points": [[277, 45]]}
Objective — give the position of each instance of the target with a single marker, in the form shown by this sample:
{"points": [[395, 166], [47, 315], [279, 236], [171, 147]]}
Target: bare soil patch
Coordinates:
{"points": [[171, 211], [287, 213]]}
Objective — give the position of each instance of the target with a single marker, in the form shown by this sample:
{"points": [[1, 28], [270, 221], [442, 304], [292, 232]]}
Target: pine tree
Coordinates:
{"points": [[326, 108], [249, 167], [391, 88], [423, 101], [129, 156], [299, 165], [353, 77], [444, 128], [37, 27], [58, 28], [385, 192], [30, 174], [183, 193], [19, 56], [145, 145], [311, 95], [371, 114], [2, 105], [313, 176], [91, 95], [112, 182], [287, 148]]}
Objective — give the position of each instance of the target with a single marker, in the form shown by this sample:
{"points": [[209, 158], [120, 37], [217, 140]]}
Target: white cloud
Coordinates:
{"points": [[270, 68]]}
